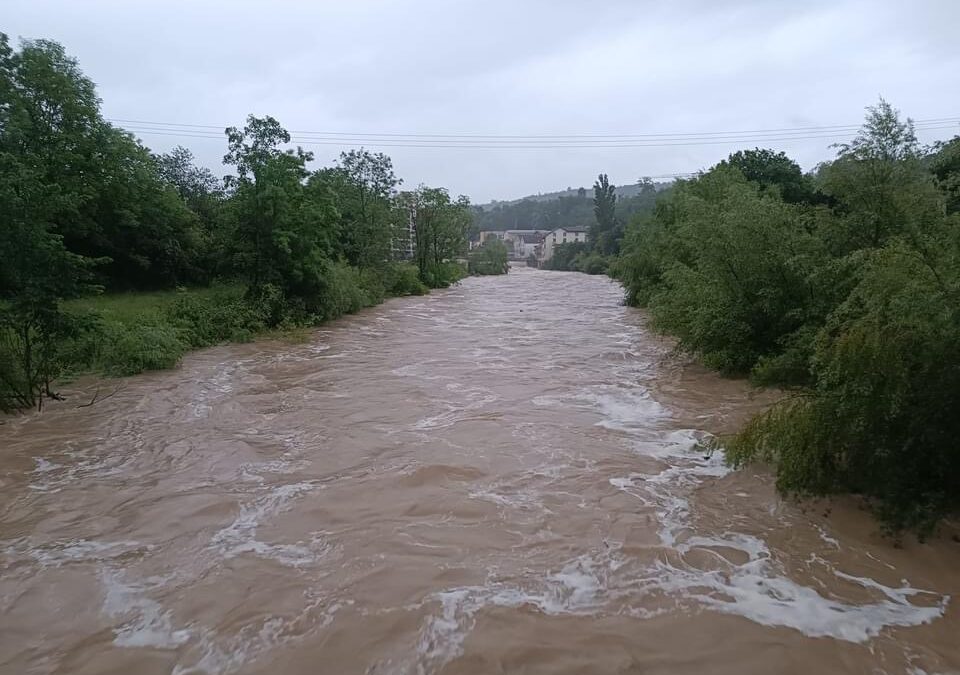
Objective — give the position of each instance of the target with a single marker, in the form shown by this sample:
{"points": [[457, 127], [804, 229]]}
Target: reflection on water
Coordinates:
{"points": [[508, 476]]}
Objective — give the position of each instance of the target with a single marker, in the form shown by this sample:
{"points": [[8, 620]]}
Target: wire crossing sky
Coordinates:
{"points": [[500, 99]]}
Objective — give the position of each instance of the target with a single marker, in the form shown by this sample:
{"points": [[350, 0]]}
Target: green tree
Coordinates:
{"points": [[281, 238], [879, 183], [490, 258], [137, 219], [45, 133], [603, 235], [944, 163], [440, 232], [365, 185], [768, 168]]}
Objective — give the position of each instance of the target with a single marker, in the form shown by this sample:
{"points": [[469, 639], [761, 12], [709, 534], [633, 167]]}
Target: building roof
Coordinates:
{"points": [[531, 238], [575, 228]]}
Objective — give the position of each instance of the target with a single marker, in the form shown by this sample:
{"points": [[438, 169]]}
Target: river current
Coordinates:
{"points": [[508, 476]]}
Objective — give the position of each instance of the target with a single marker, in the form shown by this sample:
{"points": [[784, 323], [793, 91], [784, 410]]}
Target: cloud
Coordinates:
{"points": [[499, 67]]}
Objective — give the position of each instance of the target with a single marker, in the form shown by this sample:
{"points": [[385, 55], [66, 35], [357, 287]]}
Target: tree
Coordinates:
{"points": [[197, 186], [47, 126], [281, 238], [852, 302], [490, 258], [138, 220], [879, 182], [365, 185], [440, 230], [602, 233], [944, 163], [772, 169]]}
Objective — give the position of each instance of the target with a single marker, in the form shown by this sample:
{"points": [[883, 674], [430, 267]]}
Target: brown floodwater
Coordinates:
{"points": [[503, 477]]}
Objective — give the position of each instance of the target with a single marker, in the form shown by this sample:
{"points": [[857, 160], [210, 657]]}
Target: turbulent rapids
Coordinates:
{"points": [[508, 476]]}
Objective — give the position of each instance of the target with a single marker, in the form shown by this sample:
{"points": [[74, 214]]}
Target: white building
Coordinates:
{"points": [[520, 243], [561, 235]]}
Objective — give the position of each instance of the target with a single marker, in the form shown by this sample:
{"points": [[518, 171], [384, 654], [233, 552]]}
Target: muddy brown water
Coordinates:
{"points": [[504, 477]]}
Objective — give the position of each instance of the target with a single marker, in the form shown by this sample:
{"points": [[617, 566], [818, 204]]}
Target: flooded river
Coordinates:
{"points": [[503, 477]]}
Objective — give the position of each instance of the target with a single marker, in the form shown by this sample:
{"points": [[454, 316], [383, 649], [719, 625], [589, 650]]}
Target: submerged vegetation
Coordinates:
{"points": [[86, 209], [842, 286]]}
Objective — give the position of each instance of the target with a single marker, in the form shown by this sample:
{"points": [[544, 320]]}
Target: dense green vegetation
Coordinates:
{"points": [[578, 256], [491, 258], [85, 208], [842, 286]]}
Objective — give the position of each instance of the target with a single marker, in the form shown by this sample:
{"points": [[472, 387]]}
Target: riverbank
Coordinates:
{"points": [[130, 333]]}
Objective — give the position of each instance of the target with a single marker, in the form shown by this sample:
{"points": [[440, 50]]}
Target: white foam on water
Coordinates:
{"points": [[52, 477], [44, 465], [475, 399], [626, 484], [417, 370], [219, 656], [240, 536], [59, 553], [627, 409], [826, 538], [213, 389], [516, 500], [254, 471], [578, 588], [756, 589], [145, 622]]}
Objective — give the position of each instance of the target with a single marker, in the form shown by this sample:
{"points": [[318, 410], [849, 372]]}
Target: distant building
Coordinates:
{"points": [[528, 243], [520, 243], [561, 235]]}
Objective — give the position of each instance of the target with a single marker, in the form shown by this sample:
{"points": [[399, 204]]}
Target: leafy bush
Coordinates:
{"points": [[850, 295], [442, 275], [345, 293], [564, 256], [881, 420], [131, 349], [491, 258], [204, 320], [402, 279], [593, 263], [727, 272]]}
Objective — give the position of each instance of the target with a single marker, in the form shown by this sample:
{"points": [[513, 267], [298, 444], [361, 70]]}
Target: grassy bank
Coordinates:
{"points": [[128, 333]]}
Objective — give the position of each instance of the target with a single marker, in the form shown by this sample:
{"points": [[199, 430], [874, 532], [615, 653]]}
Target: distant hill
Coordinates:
{"points": [[623, 191], [572, 207]]}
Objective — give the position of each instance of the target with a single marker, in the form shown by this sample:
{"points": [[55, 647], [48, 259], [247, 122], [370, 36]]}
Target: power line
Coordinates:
{"points": [[507, 145], [802, 132]]}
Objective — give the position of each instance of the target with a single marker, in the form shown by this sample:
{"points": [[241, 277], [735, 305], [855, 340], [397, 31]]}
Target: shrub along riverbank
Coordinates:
{"points": [[842, 286], [134, 332]]}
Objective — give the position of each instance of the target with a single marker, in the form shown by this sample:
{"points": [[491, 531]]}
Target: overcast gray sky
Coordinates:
{"points": [[511, 68]]}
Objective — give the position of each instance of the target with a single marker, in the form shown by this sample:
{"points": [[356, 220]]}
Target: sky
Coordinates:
{"points": [[639, 88]]}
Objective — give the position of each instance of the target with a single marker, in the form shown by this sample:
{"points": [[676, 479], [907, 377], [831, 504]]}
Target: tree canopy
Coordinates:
{"points": [[843, 286]]}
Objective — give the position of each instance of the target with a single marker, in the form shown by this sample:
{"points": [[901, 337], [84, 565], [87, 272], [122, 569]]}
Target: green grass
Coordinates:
{"points": [[133, 307], [136, 332]]}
